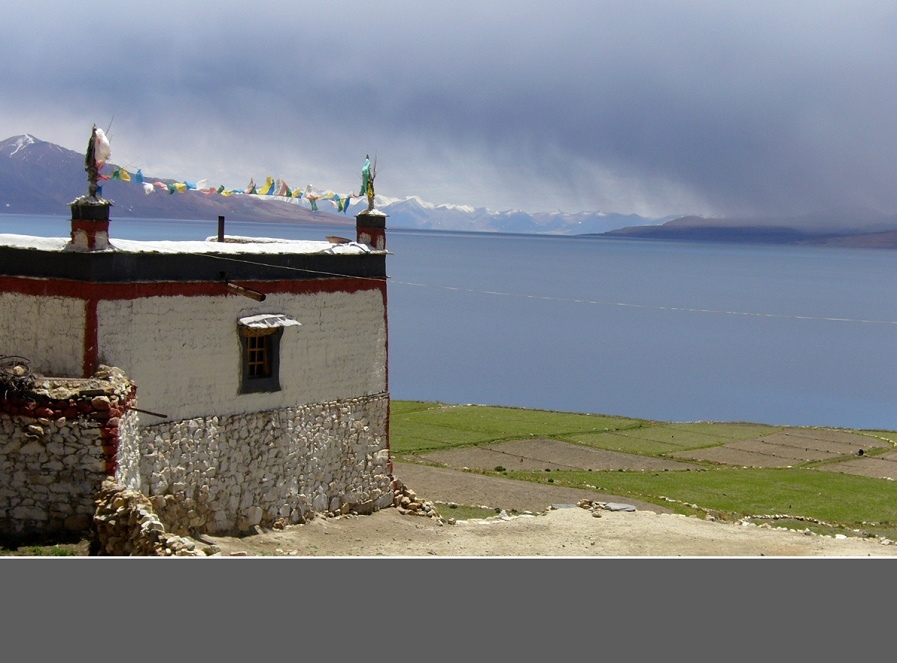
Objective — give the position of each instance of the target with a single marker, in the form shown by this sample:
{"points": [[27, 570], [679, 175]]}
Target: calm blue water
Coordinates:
{"points": [[660, 330]]}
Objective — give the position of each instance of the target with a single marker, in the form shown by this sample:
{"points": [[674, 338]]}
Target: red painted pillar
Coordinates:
{"points": [[90, 225], [90, 361], [370, 227], [90, 232]]}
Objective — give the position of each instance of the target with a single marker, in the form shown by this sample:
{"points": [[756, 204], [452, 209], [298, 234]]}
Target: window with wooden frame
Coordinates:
{"points": [[260, 337]]}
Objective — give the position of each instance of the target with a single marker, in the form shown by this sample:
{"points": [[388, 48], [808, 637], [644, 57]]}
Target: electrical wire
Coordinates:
{"points": [[574, 300]]}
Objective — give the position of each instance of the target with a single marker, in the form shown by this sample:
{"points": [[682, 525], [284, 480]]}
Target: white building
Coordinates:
{"points": [[260, 368]]}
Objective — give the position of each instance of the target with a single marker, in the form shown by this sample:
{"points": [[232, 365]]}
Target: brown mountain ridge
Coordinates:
{"points": [[37, 177]]}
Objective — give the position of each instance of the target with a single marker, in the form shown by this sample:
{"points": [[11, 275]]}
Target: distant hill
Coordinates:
{"points": [[845, 227]]}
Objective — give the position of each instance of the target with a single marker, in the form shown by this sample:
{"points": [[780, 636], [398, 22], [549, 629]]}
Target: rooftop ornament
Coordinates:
{"points": [[368, 173], [90, 213], [98, 151]]}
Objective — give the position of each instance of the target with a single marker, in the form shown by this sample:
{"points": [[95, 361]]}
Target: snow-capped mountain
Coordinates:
{"points": [[412, 212], [37, 177]]}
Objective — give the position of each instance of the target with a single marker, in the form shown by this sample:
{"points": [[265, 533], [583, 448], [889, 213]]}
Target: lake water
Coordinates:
{"points": [[674, 331]]}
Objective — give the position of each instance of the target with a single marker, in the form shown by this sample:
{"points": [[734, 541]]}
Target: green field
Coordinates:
{"points": [[799, 497]]}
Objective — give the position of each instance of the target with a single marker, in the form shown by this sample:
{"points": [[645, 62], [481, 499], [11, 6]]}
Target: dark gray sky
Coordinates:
{"points": [[648, 106]]}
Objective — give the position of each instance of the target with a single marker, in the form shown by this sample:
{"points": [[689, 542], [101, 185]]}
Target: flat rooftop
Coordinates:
{"points": [[232, 245], [236, 258]]}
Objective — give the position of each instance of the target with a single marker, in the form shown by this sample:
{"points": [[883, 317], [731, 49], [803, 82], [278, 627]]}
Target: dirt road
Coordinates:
{"points": [[564, 532]]}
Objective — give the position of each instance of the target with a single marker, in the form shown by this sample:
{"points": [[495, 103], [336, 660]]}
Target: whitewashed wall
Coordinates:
{"points": [[49, 331], [184, 352]]}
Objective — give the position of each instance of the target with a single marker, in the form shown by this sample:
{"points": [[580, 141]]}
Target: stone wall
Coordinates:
{"points": [[58, 442], [61, 438], [228, 474], [125, 524]]}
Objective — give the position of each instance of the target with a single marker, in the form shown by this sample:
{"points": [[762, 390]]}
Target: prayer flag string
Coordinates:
{"points": [[277, 189]]}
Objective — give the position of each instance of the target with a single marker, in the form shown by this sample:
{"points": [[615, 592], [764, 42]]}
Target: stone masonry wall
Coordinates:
{"points": [[227, 474], [58, 443]]}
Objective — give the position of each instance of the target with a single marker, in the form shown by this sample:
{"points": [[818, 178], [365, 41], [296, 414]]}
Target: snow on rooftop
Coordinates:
{"points": [[232, 244], [31, 242]]}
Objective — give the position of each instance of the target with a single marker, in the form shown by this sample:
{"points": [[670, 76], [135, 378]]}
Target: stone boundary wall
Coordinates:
{"points": [[125, 525], [58, 443], [229, 474]]}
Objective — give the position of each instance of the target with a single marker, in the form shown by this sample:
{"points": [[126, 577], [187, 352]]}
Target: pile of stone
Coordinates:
{"points": [[407, 503], [597, 507], [125, 525]]}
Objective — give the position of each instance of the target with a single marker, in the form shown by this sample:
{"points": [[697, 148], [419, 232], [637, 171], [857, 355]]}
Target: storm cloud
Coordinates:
{"points": [[647, 106]]}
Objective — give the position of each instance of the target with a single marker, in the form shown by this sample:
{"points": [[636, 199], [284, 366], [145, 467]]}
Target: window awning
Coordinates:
{"points": [[268, 321]]}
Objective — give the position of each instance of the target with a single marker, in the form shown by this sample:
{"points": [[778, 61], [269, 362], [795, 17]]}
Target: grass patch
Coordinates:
{"points": [[658, 439], [846, 501], [724, 431], [416, 427], [639, 441], [464, 511], [79, 549]]}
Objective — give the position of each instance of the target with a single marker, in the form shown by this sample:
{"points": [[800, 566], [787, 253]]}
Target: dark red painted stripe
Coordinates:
{"points": [[388, 398], [91, 350], [112, 291]]}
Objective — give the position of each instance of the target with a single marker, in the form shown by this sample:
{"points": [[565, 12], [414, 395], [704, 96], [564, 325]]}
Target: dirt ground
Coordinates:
{"points": [[565, 532], [556, 528]]}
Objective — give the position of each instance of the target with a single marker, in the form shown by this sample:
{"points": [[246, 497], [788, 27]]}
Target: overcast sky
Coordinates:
{"points": [[649, 106]]}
